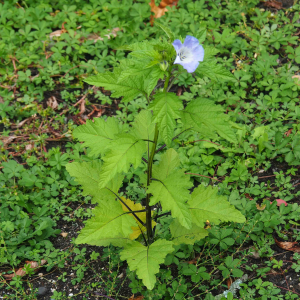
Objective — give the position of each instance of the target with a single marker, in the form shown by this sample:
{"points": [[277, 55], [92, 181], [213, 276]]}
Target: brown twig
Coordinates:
{"points": [[83, 98], [266, 176]]}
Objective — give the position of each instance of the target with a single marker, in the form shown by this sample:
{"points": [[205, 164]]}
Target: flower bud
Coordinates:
{"points": [[163, 65]]}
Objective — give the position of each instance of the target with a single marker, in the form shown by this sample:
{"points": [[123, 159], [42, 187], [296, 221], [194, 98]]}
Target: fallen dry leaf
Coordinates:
{"points": [[95, 37], [254, 253], [98, 111], [286, 245], [7, 139], [161, 9], [91, 37], [273, 4], [229, 282], [28, 147], [261, 207], [136, 298], [298, 79], [179, 91], [295, 249], [21, 271], [272, 271], [82, 107], [58, 32], [52, 102], [19, 125], [248, 196], [287, 133], [194, 261]]}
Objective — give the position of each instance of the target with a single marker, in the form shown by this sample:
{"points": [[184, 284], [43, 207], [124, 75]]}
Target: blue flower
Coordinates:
{"points": [[189, 53]]}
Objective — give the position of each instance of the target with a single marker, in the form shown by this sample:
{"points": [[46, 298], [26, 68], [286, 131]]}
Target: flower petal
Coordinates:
{"points": [[177, 45], [189, 53], [191, 67], [177, 60], [190, 42], [198, 53]]}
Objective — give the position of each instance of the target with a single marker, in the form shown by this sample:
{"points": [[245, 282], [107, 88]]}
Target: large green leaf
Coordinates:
{"points": [[209, 52], [87, 174], [146, 54], [214, 71], [145, 260], [110, 224], [97, 134], [148, 72], [181, 235], [152, 78], [207, 118], [167, 31], [130, 87], [206, 204], [171, 188], [143, 128], [126, 149], [131, 78], [166, 108]]}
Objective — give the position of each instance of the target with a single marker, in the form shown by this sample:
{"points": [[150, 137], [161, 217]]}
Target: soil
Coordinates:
{"points": [[285, 278]]}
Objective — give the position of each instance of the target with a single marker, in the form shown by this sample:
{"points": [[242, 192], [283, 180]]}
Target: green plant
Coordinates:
{"points": [[167, 187]]}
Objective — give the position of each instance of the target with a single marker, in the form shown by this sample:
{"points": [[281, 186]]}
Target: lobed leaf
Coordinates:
{"points": [[143, 128], [146, 54], [145, 260], [97, 134], [210, 51], [167, 31], [148, 72], [206, 204], [206, 117], [87, 174], [181, 235], [171, 188], [215, 71], [109, 225], [126, 149], [166, 108], [129, 88]]}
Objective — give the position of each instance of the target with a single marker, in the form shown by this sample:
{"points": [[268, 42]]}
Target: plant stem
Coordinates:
{"points": [[149, 176], [129, 209], [165, 145], [174, 78], [149, 171], [168, 79]]}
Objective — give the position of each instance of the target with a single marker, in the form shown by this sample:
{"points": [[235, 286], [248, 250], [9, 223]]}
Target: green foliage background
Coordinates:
{"points": [[261, 50]]}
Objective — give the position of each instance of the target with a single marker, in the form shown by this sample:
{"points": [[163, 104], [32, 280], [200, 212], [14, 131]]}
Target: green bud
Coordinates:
{"points": [[163, 65]]}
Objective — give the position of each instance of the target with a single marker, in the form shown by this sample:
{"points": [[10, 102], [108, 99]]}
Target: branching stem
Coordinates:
{"points": [[162, 215], [149, 176], [130, 210], [175, 137]]}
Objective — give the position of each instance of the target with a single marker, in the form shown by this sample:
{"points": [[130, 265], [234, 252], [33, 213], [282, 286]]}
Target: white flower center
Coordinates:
{"points": [[185, 55]]}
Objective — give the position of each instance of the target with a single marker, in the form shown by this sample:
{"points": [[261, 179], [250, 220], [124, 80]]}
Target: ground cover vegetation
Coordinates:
{"points": [[246, 157]]}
